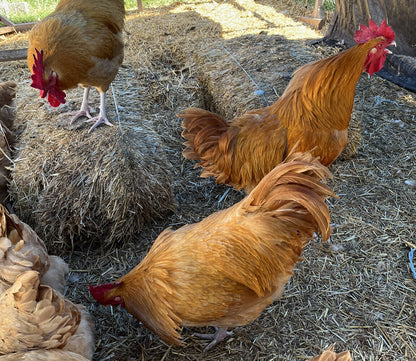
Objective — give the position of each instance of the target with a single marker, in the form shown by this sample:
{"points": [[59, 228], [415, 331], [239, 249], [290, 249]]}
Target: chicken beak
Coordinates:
{"points": [[387, 51]]}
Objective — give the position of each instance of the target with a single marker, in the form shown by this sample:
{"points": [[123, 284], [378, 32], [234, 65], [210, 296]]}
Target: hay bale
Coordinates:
{"points": [[73, 187], [227, 89]]}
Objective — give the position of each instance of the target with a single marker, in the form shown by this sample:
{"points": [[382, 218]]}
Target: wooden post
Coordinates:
{"points": [[13, 54], [139, 5], [10, 27], [316, 20]]}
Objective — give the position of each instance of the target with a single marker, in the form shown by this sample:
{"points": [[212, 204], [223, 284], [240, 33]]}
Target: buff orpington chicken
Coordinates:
{"points": [[35, 316], [80, 43], [40, 325], [22, 250], [225, 270], [313, 112]]}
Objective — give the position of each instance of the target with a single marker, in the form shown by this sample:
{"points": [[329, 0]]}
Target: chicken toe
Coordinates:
{"points": [[102, 117], [220, 334]]}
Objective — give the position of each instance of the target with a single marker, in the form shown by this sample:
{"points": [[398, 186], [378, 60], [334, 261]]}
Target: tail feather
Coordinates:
{"points": [[209, 139], [294, 191]]}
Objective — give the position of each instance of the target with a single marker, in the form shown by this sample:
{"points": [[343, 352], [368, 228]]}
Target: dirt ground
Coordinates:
{"points": [[357, 289]]}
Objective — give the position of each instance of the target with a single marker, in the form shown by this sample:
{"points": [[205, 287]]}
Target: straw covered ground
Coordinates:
{"points": [[356, 290]]}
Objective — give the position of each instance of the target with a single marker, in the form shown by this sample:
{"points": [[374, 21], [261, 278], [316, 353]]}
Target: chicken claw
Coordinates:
{"points": [[102, 117], [85, 109], [220, 334]]}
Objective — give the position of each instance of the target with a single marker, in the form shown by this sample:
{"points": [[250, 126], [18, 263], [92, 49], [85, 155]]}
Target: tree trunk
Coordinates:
{"points": [[399, 14], [399, 68]]}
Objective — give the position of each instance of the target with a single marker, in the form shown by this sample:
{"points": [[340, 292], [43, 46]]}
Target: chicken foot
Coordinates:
{"points": [[85, 109], [220, 334], [102, 117]]}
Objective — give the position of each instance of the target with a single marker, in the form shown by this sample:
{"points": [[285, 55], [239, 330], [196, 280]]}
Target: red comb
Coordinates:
{"points": [[37, 69], [99, 292], [364, 33]]}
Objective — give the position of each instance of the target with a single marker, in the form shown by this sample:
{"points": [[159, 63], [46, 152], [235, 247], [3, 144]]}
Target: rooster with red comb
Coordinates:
{"points": [[313, 113], [80, 43]]}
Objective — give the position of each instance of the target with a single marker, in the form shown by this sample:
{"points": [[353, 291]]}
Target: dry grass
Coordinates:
{"points": [[355, 290], [95, 187]]}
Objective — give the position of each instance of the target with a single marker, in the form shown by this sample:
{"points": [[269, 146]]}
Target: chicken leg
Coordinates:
{"points": [[85, 111], [102, 117], [220, 334]]}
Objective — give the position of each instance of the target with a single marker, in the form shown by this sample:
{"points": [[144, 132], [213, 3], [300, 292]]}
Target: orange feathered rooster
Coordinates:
{"points": [[314, 111], [79, 43], [224, 270]]}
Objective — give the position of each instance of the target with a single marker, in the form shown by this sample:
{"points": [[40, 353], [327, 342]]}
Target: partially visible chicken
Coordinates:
{"points": [[82, 342], [313, 112], [22, 250], [330, 355], [35, 316], [224, 270], [79, 43], [7, 116], [43, 355], [7, 93]]}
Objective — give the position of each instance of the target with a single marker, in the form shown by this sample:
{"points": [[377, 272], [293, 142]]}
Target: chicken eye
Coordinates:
{"points": [[117, 299]]}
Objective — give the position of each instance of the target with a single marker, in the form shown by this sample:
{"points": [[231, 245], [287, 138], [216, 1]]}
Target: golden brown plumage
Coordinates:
{"points": [[330, 355], [35, 316], [313, 112], [224, 270], [82, 44], [22, 250]]}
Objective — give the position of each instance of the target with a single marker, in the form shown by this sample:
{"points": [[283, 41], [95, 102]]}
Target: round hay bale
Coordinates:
{"points": [[73, 187]]}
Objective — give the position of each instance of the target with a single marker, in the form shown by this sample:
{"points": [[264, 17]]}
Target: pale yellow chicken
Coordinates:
{"points": [[80, 346], [44, 355], [35, 316], [22, 250]]}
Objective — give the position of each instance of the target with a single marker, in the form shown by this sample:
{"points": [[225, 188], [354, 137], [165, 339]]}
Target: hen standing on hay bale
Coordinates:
{"points": [[79, 43], [7, 116], [313, 112], [93, 188]]}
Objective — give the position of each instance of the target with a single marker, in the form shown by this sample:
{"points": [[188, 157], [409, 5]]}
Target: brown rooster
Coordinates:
{"points": [[224, 270], [79, 43], [313, 112]]}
